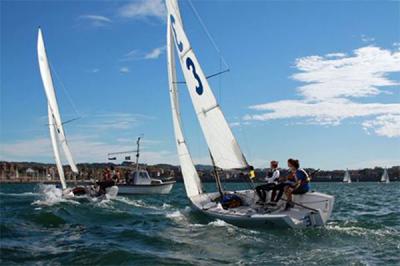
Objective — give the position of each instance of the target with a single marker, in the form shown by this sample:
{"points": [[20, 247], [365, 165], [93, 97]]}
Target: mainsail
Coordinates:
{"points": [[220, 140], [189, 173], [55, 123]]}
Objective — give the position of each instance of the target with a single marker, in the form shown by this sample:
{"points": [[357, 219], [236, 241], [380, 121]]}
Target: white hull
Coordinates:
{"points": [[111, 192], [253, 215], [163, 188]]}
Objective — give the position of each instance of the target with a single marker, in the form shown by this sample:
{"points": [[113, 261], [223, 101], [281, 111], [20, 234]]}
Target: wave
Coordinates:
{"points": [[354, 230], [51, 195], [23, 194]]}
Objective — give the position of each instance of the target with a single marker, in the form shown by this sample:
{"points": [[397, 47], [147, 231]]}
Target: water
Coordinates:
{"points": [[39, 228]]}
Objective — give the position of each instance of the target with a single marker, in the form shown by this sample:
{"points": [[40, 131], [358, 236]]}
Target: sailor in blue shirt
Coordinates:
{"points": [[300, 184]]}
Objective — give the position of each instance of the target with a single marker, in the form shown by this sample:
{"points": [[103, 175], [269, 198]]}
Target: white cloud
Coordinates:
{"points": [[96, 20], [330, 112], [95, 70], [155, 53], [335, 55], [138, 55], [359, 75], [124, 70], [143, 9], [366, 38], [114, 121], [384, 125], [333, 82]]}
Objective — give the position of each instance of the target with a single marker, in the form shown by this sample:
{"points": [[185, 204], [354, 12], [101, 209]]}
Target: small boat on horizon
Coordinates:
{"points": [[347, 177], [385, 177]]}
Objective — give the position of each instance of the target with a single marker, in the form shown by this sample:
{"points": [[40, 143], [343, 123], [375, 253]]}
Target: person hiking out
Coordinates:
{"points": [[271, 181]]}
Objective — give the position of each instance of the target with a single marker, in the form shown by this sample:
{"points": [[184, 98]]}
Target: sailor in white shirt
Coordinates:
{"points": [[271, 179]]}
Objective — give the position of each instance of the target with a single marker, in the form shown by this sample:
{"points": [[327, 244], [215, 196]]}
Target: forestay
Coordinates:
{"points": [[55, 122], [189, 173], [220, 140]]}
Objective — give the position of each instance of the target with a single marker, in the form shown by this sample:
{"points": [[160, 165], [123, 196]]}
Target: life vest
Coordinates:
{"points": [[308, 178]]}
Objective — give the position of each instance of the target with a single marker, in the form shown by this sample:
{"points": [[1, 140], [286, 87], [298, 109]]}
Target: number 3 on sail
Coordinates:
{"points": [[190, 66]]}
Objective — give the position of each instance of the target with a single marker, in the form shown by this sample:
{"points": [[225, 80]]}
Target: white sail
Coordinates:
{"points": [[385, 176], [52, 100], [347, 178], [54, 143], [191, 179], [220, 140]]}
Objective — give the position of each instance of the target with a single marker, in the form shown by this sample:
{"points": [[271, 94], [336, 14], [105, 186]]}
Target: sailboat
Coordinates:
{"points": [[311, 209], [385, 177], [347, 178], [57, 134]]}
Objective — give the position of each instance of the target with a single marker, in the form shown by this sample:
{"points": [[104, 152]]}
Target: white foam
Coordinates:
{"points": [[23, 194], [359, 231], [136, 203], [219, 223], [51, 195], [175, 214]]}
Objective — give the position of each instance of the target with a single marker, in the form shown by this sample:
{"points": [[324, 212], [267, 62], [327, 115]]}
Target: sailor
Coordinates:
{"points": [[271, 181], [106, 182], [299, 184]]}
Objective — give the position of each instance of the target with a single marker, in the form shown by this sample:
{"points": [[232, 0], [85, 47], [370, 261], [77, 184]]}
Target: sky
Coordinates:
{"points": [[313, 80]]}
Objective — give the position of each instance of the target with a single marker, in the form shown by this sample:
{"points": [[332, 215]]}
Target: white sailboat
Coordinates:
{"points": [[312, 209], [385, 177], [347, 178], [57, 134]]}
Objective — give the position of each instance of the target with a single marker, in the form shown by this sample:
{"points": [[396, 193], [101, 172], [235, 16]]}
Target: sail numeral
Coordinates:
{"points": [[190, 66], [179, 44]]}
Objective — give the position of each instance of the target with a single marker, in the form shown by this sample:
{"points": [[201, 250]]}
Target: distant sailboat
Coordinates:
{"points": [[347, 178], [57, 134], [224, 150], [385, 177]]}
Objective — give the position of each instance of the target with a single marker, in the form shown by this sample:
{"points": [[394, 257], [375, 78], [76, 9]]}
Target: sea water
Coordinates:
{"points": [[38, 227]]}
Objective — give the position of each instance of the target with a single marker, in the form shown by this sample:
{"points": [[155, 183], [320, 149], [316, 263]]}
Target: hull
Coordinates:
{"points": [[68, 193], [316, 211], [163, 188]]}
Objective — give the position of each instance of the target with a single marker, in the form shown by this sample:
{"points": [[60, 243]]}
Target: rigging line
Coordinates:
{"points": [[207, 33], [207, 77], [64, 89]]}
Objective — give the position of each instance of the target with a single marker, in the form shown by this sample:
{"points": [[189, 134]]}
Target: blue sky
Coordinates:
{"points": [[314, 80]]}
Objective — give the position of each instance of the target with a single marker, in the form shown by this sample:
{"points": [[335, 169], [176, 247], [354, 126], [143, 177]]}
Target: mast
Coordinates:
{"points": [[217, 178], [137, 155]]}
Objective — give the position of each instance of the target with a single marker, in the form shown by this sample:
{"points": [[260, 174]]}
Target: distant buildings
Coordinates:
{"points": [[40, 172]]}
